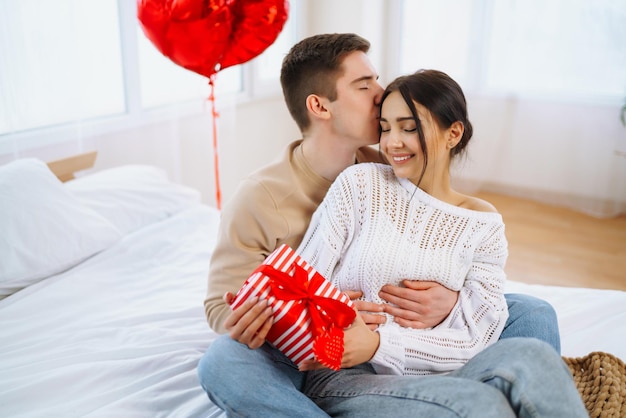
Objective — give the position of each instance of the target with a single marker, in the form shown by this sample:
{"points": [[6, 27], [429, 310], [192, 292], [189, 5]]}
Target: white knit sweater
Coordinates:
{"points": [[368, 232]]}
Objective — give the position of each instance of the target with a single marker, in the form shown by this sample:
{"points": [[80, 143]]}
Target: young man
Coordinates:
{"points": [[332, 93]]}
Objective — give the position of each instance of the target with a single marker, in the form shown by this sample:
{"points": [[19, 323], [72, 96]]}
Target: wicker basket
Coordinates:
{"points": [[601, 380]]}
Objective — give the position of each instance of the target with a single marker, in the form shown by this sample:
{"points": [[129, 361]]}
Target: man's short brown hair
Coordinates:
{"points": [[313, 66]]}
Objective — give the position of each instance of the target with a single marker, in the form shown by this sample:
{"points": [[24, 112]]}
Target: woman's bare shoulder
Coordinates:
{"points": [[477, 204]]}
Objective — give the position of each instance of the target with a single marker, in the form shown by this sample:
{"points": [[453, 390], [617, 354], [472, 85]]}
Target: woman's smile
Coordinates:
{"points": [[401, 158]]}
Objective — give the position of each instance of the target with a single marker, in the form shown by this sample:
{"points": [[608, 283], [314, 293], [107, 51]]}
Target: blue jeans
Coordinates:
{"points": [[531, 317], [515, 377], [265, 383]]}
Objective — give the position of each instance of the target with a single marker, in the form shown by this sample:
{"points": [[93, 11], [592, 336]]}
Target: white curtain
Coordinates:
{"points": [[56, 57], [545, 83]]}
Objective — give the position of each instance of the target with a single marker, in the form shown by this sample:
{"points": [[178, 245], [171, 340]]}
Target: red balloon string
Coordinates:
{"points": [[208, 36], [214, 115]]}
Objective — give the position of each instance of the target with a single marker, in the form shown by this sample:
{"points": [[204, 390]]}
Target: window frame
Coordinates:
{"points": [[475, 82], [135, 115]]}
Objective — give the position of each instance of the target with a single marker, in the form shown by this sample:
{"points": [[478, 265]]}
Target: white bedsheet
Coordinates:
{"points": [[120, 335], [589, 319]]}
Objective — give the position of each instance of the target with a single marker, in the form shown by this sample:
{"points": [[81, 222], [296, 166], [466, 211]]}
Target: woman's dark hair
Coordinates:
{"points": [[444, 99]]}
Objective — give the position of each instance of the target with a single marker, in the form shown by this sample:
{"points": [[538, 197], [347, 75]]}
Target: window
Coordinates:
{"points": [[86, 63], [571, 48], [267, 65], [59, 63], [437, 35], [162, 82], [559, 49]]}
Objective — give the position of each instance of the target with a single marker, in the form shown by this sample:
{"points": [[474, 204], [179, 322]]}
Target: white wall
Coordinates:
{"points": [[567, 154], [249, 135]]}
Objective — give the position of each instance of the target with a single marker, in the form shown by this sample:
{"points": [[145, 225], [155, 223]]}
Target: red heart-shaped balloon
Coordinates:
{"points": [[206, 36]]}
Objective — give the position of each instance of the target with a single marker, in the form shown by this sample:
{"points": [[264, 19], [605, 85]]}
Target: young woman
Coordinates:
{"points": [[379, 222]]}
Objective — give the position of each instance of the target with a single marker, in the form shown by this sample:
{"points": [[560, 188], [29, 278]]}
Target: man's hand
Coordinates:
{"points": [[250, 322], [370, 312], [420, 304]]}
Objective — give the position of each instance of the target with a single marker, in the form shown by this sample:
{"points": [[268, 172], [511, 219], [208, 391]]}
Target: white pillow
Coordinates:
{"points": [[133, 196], [44, 229]]}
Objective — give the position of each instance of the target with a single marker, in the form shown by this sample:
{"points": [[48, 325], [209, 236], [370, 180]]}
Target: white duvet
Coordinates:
{"points": [[120, 334]]}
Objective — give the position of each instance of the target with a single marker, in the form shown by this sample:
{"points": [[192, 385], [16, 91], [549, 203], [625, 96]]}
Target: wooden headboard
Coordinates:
{"points": [[65, 168]]}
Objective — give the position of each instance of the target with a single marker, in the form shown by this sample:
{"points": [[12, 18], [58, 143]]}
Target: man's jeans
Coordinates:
{"points": [[513, 377]]}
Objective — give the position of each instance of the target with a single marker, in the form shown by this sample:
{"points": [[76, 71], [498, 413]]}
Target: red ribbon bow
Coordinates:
{"points": [[325, 312], [328, 316]]}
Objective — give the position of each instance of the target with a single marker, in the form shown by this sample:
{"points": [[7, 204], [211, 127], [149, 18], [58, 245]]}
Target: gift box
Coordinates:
{"points": [[310, 313]]}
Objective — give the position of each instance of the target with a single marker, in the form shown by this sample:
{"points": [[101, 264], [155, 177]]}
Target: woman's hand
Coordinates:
{"points": [[372, 313], [360, 344]]}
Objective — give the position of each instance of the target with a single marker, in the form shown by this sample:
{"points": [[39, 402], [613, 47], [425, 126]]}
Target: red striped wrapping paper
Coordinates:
{"points": [[309, 312]]}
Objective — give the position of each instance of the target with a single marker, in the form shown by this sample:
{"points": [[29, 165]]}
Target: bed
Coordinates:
{"points": [[102, 279]]}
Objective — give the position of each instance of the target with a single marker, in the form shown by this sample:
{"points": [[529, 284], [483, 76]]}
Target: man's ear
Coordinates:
{"points": [[455, 133], [317, 106]]}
